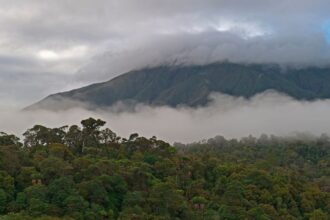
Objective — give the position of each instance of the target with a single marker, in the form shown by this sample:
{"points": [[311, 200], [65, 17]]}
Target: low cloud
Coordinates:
{"points": [[91, 41], [292, 49], [269, 112]]}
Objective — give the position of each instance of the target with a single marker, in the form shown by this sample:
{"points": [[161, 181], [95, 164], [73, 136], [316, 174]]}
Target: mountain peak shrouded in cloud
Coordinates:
{"points": [[210, 47], [94, 41], [163, 74], [192, 85], [48, 47]]}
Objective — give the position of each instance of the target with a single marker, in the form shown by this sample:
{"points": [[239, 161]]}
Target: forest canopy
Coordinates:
{"points": [[88, 172]]}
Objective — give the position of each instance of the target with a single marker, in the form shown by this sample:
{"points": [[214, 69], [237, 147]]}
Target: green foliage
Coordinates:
{"points": [[3, 201], [88, 172], [7, 140]]}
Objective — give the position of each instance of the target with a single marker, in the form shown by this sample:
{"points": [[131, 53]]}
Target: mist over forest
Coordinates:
{"points": [[164, 109], [232, 117]]}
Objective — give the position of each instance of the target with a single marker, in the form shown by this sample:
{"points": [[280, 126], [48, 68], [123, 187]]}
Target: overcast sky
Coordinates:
{"points": [[49, 46]]}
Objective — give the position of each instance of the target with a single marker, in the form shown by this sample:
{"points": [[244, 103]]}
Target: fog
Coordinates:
{"points": [[295, 50], [269, 112], [51, 46]]}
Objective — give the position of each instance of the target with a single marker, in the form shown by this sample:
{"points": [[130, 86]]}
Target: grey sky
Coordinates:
{"points": [[49, 46]]}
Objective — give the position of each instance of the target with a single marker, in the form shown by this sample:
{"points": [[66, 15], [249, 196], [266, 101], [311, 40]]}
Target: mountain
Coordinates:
{"points": [[191, 85]]}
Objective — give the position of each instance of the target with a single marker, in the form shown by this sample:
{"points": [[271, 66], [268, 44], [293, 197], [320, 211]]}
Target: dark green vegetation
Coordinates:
{"points": [[90, 173], [191, 85]]}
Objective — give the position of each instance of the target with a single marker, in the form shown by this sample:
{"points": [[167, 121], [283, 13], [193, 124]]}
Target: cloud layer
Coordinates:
{"points": [[52, 46], [269, 113], [57, 45]]}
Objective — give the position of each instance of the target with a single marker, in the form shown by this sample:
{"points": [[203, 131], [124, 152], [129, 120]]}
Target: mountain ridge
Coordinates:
{"points": [[192, 85]]}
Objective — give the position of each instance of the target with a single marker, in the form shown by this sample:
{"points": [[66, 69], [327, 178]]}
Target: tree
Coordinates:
{"points": [[54, 177], [167, 201], [7, 140], [318, 215], [37, 207], [75, 205], [94, 192], [40, 135], [37, 200], [73, 139], [3, 201], [25, 177], [7, 184], [52, 168], [258, 213], [91, 132], [107, 136], [10, 159], [37, 135], [59, 190]]}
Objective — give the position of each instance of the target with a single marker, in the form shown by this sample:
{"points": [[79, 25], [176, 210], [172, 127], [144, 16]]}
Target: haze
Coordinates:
{"points": [[52, 46], [269, 113]]}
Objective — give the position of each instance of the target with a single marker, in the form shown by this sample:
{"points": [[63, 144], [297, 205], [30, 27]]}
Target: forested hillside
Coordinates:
{"points": [[192, 85], [88, 172]]}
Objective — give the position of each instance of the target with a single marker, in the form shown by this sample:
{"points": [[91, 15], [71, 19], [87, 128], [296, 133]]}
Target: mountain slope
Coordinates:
{"points": [[191, 85]]}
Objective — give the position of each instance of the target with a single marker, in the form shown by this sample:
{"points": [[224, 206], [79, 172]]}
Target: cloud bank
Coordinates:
{"points": [[209, 47], [58, 45], [51, 46], [269, 113]]}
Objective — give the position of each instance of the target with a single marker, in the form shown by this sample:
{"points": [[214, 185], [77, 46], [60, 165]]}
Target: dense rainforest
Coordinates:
{"points": [[88, 172]]}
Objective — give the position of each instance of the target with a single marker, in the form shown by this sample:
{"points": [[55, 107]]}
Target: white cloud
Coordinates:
{"points": [[71, 53], [60, 37], [48, 55], [245, 30], [269, 113]]}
